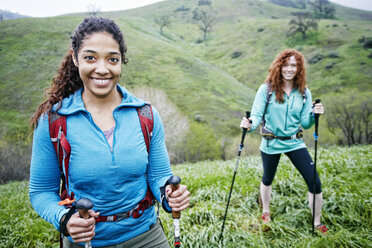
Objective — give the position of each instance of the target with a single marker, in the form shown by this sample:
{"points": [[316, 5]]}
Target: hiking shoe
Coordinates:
{"points": [[265, 218], [322, 228]]}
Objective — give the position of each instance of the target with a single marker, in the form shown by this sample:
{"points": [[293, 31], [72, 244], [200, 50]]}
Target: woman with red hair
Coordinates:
{"points": [[283, 105]]}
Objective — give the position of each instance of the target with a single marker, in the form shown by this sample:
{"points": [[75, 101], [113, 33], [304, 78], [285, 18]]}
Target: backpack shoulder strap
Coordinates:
{"points": [[147, 123], [304, 96], [269, 92], [58, 132], [146, 118]]}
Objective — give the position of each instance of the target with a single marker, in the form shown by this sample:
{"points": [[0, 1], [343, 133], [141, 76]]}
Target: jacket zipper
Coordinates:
{"points": [[100, 131], [114, 136], [286, 116], [286, 113]]}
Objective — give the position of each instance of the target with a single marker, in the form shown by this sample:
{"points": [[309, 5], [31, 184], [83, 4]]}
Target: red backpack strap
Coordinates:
{"points": [[58, 132], [147, 123]]}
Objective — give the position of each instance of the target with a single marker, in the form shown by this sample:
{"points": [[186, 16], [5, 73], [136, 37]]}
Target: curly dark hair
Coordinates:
{"points": [[68, 79], [275, 77]]}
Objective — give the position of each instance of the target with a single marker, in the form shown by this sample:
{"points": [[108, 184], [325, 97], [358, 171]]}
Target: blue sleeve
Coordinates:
{"points": [[258, 106], [45, 176], [307, 119], [159, 169]]}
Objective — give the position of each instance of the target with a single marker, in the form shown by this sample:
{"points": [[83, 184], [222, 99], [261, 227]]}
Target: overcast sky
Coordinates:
{"points": [[44, 8]]}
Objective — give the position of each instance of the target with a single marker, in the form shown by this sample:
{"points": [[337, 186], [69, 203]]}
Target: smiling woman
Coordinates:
{"points": [[282, 106], [99, 62], [109, 161]]}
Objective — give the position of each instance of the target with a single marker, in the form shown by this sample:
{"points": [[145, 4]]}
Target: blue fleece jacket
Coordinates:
{"points": [[283, 119], [114, 179]]}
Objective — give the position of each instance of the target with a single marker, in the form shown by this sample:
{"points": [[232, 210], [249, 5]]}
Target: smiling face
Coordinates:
{"points": [[289, 69], [99, 62]]}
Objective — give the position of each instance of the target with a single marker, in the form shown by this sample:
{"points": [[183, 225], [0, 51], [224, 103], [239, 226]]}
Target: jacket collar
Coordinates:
{"points": [[74, 102]]}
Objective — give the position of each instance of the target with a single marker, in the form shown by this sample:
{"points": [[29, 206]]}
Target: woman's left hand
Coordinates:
{"points": [[318, 108], [178, 200]]}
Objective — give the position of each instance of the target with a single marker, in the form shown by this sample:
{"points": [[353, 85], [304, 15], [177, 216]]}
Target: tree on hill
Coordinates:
{"points": [[204, 2], [329, 11], [201, 143], [301, 4], [162, 21], [206, 22], [350, 112], [93, 10], [366, 42], [322, 8], [302, 23], [1, 17]]}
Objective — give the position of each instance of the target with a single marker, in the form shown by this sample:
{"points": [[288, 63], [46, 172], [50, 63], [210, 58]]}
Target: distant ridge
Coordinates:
{"points": [[7, 15]]}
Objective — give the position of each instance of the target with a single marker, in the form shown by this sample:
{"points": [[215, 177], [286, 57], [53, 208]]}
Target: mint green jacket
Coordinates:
{"points": [[282, 119]]}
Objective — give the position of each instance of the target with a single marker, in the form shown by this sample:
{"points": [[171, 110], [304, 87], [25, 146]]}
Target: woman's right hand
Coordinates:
{"points": [[318, 108], [246, 123], [82, 230]]}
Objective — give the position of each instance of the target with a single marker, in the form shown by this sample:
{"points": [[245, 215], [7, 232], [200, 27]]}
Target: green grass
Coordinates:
{"points": [[345, 174]]}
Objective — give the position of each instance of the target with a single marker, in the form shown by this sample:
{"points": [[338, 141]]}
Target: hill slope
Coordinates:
{"points": [[201, 78]]}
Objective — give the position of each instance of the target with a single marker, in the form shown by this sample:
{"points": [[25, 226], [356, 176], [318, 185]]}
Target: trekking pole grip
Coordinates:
{"points": [[247, 115], [174, 182], [316, 116], [317, 101], [83, 205]]}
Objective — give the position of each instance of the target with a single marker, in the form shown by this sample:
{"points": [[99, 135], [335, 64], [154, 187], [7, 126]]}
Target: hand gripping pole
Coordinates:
{"points": [[83, 205], [175, 181]]}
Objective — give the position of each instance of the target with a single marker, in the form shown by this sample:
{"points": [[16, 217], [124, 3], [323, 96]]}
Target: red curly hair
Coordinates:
{"points": [[275, 77]]}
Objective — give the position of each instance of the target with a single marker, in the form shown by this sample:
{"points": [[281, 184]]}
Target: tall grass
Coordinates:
{"points": [[345, 174]]}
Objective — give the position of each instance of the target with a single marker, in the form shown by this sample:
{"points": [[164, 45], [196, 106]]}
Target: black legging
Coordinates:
{"points": [[303, 162]]}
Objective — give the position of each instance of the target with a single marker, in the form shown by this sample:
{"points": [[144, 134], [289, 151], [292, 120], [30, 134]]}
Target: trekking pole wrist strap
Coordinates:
{"points": [[164, 202], [64, 220]]}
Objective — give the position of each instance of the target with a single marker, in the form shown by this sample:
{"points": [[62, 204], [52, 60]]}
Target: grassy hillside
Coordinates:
{"points": [[232, 10], [215, 79], [351, 13], [154, 61], [347, 210]]}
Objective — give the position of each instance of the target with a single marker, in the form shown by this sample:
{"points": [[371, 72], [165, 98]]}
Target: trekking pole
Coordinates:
{"points": [[83, 205], [316, 116], [248, 114], [175, 181]]}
